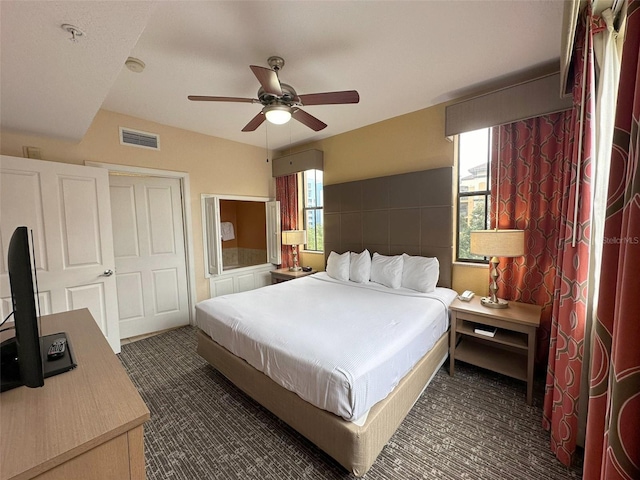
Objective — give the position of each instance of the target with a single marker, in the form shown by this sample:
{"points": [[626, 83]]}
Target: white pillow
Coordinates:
{"points": [[360, 267], [420, 273], [338, 266], [387, 270]]}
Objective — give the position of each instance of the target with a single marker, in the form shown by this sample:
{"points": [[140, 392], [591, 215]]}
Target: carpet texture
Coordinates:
{"points": [[473, 426]]}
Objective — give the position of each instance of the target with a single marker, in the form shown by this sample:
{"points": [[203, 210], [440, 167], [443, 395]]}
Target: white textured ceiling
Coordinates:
{"points": [[50, 85], [400, 56]]}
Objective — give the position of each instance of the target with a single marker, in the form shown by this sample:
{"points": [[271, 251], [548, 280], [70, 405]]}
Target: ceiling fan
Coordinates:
{"points": [[281, 102]]}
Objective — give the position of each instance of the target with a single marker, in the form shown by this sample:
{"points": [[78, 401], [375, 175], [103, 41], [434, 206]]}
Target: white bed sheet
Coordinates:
{"points": [[341, 346]]}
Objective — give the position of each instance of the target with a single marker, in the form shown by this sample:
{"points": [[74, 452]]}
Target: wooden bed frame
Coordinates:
{"points": [[354, 447]]}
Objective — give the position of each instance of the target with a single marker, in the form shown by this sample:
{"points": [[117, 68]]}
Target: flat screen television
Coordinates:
{"points": [[23, 362], [25, 368]]}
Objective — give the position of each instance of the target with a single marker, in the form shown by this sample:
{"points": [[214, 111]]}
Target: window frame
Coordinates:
{"points": [[315, 209], [211, 235], [486, 193]]}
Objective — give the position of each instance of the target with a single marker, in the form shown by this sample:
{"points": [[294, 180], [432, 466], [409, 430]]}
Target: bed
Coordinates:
{"points": [[344, 373], [407, 213]]}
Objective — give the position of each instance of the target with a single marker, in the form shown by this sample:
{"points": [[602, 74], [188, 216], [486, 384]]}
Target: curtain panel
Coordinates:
{"points": [[534, 183], [566, 350], [612, 444], [545, 190], [287, 195]]}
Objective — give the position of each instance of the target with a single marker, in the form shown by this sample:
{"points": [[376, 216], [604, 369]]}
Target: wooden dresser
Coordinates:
{"points": [[83, 424]]}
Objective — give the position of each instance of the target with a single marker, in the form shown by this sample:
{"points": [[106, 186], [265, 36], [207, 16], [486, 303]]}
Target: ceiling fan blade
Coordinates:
{"points": [[268, 79], [254, 123], [330, 98], [309, 120], [205, 98]]}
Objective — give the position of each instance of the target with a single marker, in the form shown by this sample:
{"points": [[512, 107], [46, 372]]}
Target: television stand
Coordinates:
{"points": [[10, 368], [86, 424]]}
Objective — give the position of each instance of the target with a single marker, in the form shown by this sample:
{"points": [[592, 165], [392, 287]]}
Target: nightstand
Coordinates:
{"points": [[284, 274], [510, 352]]}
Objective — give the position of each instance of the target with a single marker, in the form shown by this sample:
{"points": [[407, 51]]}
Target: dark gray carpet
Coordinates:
{"points": [[473, 426]]}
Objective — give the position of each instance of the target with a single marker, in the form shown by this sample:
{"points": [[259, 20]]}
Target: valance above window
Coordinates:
{"points": [[298, 162], [518, 102]]}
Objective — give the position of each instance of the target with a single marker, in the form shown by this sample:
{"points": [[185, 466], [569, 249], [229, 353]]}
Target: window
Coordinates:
{"points": [[313, 203], [474, 188], [249, 238]]}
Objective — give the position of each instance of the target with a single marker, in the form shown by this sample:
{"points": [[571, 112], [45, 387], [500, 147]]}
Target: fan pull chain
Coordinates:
{"points": [[289, 138], [266, 136]]}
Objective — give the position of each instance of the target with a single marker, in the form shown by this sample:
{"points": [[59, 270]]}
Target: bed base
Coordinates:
{"points": [[352, 446]]}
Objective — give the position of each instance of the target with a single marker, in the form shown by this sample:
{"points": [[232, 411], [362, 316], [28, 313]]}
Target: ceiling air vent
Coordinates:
{"points": [[137, 138]]}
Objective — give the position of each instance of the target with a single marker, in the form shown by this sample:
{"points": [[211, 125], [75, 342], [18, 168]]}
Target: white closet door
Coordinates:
{"points": [[151, 273], [67, 208]]}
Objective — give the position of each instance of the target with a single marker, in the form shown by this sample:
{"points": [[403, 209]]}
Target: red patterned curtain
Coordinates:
{"points": [[545, 189], [534, 179], [287, 195], [568, 320], [612, 446]]}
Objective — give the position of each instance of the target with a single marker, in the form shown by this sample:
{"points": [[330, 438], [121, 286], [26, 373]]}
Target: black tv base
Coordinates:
{"points": [[10, 370]]}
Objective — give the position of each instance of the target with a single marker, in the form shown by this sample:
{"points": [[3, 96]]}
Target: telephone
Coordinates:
{"points": [[466, 296]]}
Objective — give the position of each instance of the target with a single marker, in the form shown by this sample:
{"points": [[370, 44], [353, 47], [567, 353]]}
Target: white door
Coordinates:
{"points": [[67, 208], [151, 273]]}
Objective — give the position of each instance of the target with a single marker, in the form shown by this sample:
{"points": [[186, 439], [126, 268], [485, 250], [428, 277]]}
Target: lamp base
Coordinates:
{"points": [[489, 303], [295, 269]]}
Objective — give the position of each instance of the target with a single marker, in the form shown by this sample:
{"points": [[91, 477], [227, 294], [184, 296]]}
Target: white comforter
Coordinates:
{"points": [[341, 346]]}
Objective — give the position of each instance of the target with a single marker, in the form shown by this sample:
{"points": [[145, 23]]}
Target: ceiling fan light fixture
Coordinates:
{"points": [[277, 114], [280, 101]]}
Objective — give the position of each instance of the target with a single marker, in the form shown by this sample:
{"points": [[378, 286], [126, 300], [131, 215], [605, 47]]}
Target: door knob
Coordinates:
{"points": [[107, 273]]}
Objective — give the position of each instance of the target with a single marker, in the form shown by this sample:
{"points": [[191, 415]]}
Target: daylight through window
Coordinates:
{"points": [[313, 205], [474, 188]]}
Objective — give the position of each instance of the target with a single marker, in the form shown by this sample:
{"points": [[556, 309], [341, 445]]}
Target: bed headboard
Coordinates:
{"points": [[409, 213]]}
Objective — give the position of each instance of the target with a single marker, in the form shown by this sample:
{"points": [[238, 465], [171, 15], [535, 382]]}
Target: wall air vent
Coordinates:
{"points": [[137, 138]]}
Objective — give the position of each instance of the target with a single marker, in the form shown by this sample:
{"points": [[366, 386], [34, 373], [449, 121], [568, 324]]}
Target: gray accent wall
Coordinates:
{"points": [[408, 213]]}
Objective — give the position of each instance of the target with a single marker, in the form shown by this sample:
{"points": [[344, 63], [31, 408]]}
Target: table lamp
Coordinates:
{"points": [[294, 238], [496, 243]]}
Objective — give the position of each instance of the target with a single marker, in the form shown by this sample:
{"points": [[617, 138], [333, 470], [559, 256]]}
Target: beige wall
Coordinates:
{"points": [[214, 165], [474, 277], [408, 143], [312, 259]]}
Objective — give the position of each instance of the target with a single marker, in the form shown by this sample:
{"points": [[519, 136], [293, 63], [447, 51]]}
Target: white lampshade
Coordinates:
{"points": [[497, 243], [294, 237], [277, 114]]}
